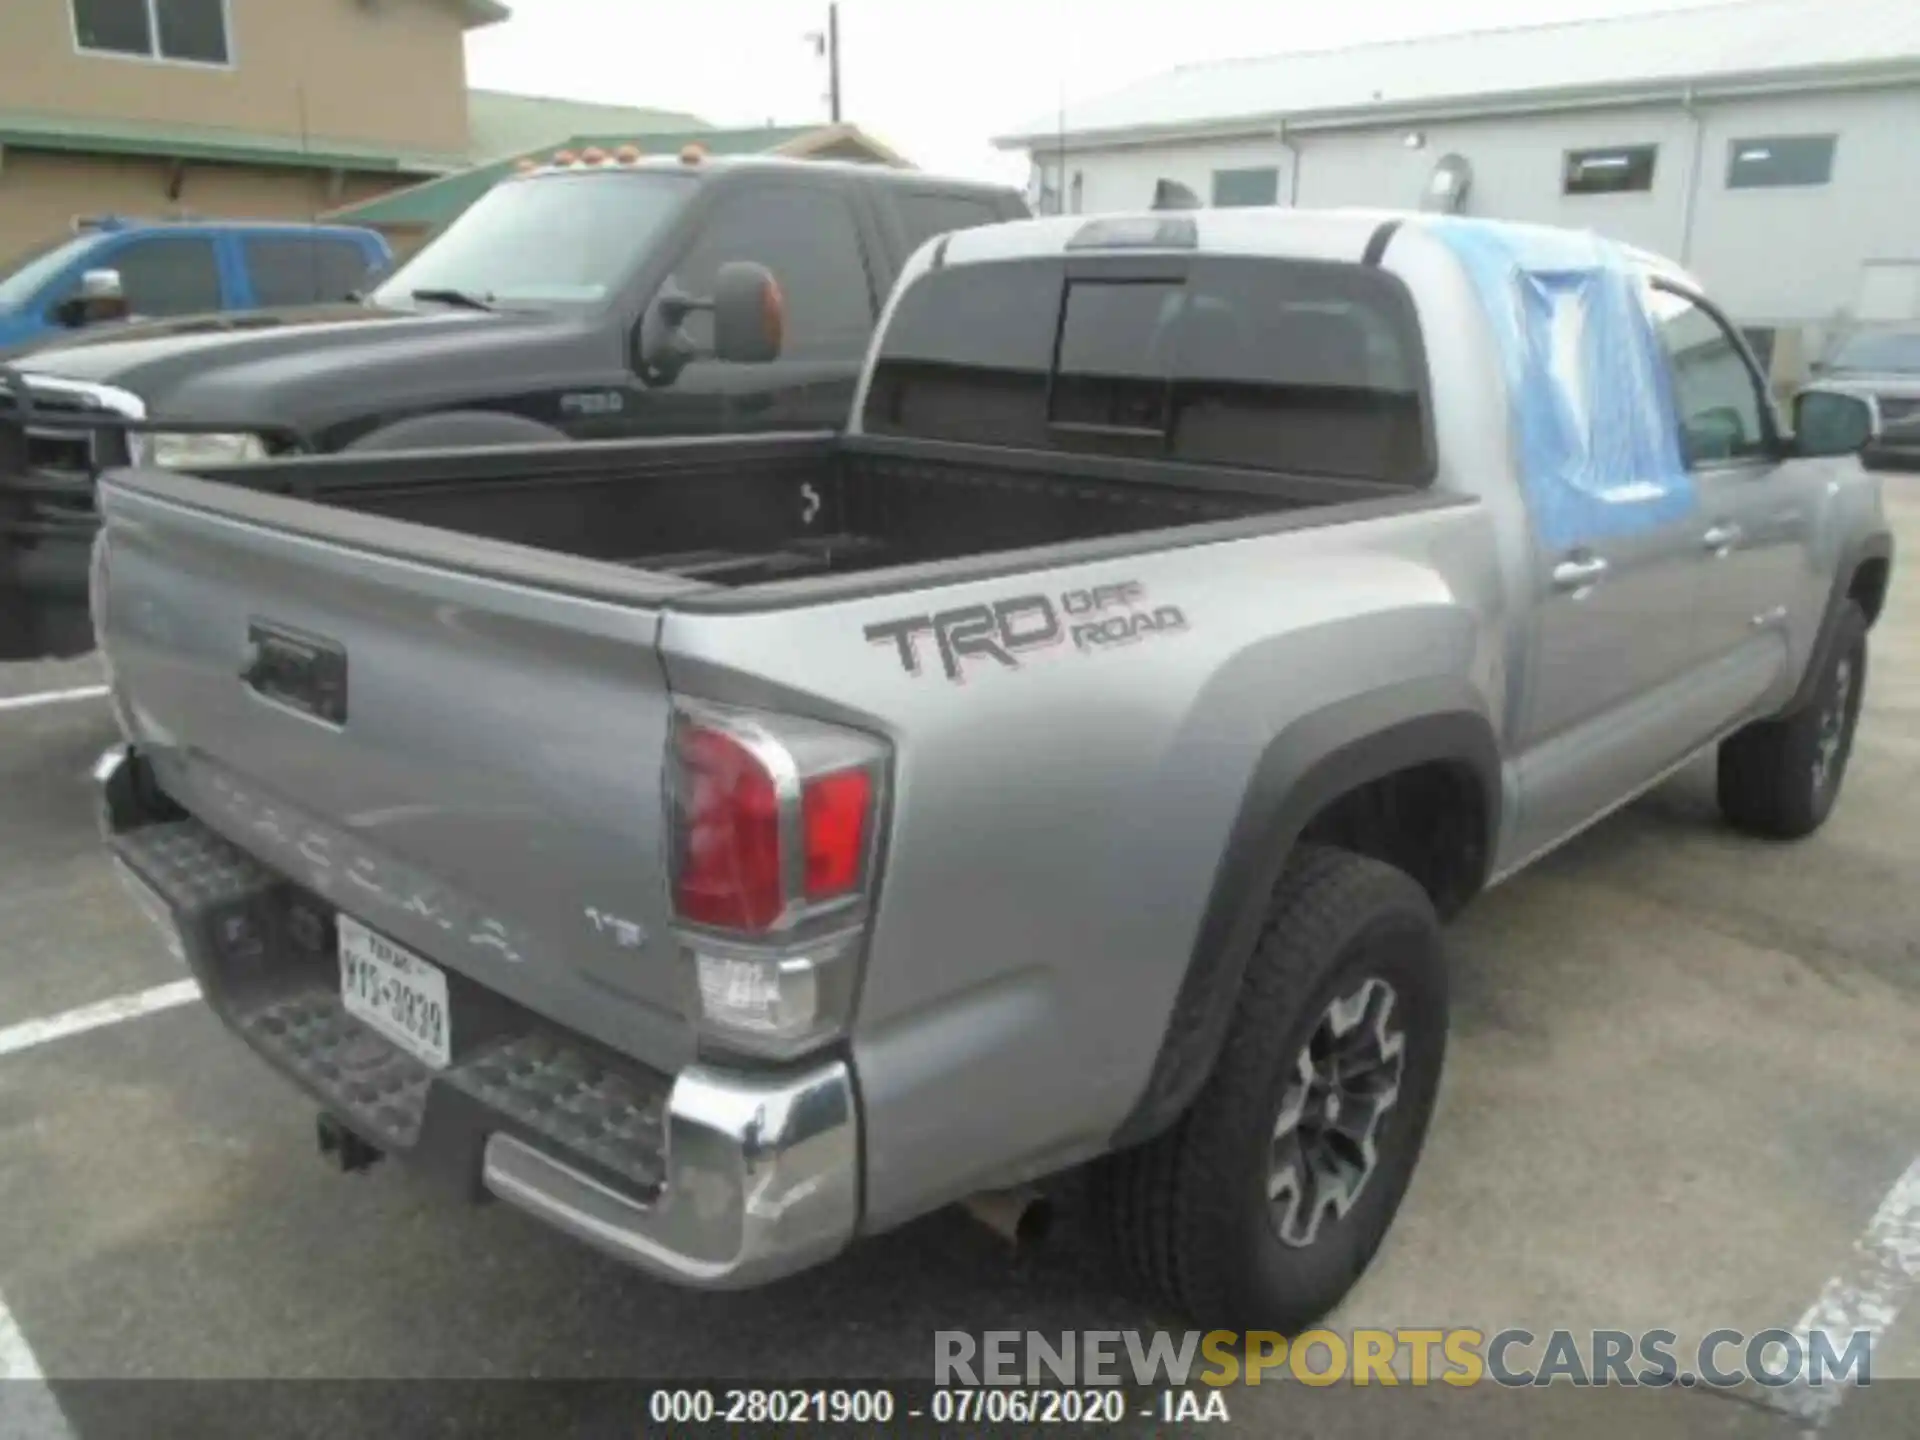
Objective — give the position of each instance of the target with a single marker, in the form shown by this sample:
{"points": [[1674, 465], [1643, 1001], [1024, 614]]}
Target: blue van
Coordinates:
{"points": [[170, 268]]}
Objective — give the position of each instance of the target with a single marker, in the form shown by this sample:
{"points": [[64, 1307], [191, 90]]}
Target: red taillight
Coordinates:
{"points": [[834, 810], [730, 870], [728, 833]]}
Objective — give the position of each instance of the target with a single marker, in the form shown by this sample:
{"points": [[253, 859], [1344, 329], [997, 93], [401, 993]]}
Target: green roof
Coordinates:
{"points": [[189, 142], [500, 123], [435, 202]]}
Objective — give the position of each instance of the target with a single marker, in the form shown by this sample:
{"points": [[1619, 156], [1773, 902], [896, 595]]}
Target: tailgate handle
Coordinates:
{"points": [[304, 672]]}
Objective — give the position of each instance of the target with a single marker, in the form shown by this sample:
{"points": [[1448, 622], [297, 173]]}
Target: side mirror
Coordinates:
{"points": [[749, 321], [1833, 422], [749, 314], [101, 297]]}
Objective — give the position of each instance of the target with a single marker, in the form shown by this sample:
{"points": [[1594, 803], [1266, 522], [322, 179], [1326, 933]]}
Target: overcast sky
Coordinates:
{"points": [[936, 79]]}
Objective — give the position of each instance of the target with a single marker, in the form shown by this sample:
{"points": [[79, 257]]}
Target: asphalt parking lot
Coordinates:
{"points": [[1682, 1086]]}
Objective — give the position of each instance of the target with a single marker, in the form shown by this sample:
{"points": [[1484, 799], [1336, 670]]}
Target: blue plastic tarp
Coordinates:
{"points": [[1588, 387]]}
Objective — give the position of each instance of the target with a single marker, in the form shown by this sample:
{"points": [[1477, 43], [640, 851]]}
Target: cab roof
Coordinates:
{"points": [[1341, 234]]}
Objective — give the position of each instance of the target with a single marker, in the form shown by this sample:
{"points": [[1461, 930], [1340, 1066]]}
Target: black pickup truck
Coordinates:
{"points": [[567, 303]]}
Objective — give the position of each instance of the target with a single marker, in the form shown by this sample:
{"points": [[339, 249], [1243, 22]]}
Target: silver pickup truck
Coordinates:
{"points": [[725, 849]]}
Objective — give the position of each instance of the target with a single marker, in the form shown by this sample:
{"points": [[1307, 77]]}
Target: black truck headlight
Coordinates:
{"points": [[186, 450]]}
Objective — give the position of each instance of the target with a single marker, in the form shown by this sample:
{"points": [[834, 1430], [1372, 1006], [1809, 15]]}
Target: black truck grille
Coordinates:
{"points": [[54, 446], [49, 460]]}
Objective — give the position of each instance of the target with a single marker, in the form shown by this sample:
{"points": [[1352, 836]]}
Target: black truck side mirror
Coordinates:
{"points": [[749, 323], [1833, 422]]}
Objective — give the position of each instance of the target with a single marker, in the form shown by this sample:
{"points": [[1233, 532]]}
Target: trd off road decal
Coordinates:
{"points": [[1004, 630]]}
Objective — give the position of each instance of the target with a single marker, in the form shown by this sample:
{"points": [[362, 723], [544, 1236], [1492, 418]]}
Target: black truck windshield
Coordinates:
{"points": [[555, 240]]}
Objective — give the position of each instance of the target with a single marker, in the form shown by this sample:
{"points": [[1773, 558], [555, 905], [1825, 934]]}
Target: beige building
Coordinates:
{"points": [[267, 109]]}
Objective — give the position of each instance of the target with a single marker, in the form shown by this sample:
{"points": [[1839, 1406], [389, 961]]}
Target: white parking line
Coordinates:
{"points": [[17, 1360], [29, 1033], [1868, 1295], [27, 1405], [51, 697]]}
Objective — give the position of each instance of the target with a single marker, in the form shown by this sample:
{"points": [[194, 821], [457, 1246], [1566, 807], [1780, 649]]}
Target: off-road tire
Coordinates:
{"points": [[1771, 779], [1188, 1213]]}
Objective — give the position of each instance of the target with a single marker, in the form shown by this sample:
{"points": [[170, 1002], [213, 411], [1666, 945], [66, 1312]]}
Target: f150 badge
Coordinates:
{"points": [[1002, 631]]}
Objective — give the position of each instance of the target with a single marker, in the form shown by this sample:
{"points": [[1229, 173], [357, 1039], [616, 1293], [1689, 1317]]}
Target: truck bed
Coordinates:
{"points": [[742, 512]]}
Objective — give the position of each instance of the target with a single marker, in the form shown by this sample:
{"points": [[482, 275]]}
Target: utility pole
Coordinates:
{"points": [[833, 60], [826, 44]]}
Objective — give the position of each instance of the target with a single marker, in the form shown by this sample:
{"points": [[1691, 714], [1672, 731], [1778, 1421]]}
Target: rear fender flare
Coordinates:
{"points": [[1875, 546], [1301, 770]]}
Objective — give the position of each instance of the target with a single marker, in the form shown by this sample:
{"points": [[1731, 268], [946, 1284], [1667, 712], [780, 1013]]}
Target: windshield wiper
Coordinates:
{"points": [[464, 299]]}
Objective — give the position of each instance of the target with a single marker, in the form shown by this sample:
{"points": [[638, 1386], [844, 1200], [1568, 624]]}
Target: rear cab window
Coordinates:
{"points": [[1306, 367]]}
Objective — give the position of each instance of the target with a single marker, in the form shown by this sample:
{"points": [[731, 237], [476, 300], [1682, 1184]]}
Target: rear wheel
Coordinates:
{"points": [[1780, 778], [1268, 1198]]}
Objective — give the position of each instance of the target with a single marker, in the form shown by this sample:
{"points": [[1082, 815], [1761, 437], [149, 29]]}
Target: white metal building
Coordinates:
{"points": [[1771, 147]]}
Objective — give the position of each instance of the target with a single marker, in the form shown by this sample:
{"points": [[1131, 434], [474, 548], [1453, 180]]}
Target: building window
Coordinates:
{"points": [[1045, 189], [192, 32], [1779, 160], [1245, 187], [1616, 170]]}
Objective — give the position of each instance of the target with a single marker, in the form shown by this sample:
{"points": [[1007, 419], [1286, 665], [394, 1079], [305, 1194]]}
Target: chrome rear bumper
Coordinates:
{"points": [[762, 1180]]}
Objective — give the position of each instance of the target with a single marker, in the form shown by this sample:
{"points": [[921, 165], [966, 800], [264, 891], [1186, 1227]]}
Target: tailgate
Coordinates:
{"points": [[465, 760]]}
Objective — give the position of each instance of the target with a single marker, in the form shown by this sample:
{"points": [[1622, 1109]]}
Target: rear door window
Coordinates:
{"points": [[927, 213], [1298, 366], [168, 275], [808, 238], [303, 269]]}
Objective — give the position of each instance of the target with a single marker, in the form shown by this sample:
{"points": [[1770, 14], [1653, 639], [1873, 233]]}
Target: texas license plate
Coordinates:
{"points": [[395, 992]]}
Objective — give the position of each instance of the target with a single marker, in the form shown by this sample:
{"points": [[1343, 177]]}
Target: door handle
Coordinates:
{"points": [[1578, 574], [1721, 538]]}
